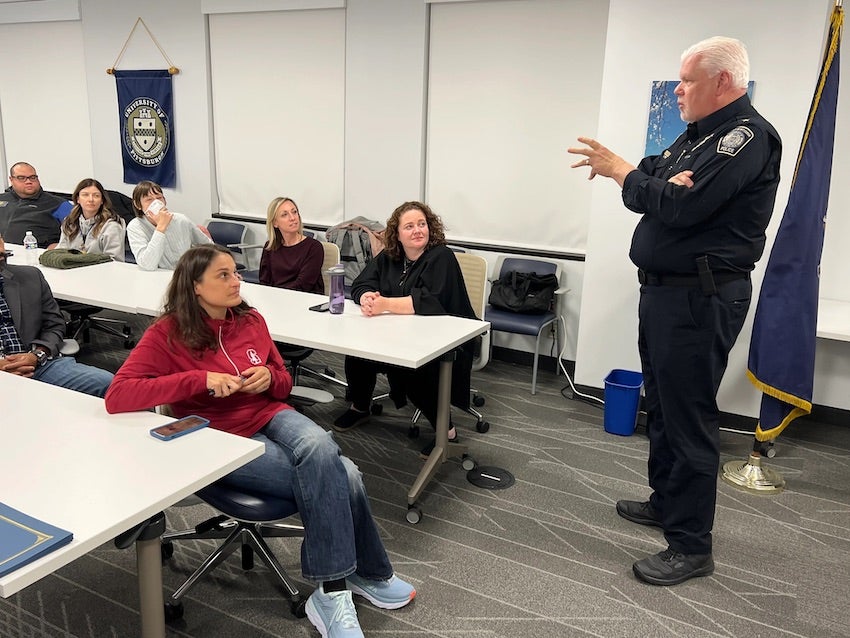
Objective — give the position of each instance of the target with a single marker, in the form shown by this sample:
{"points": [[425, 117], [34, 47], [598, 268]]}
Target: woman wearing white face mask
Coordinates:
{"points": [[158, 237]]}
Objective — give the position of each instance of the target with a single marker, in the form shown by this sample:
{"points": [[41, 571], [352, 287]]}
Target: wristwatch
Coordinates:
{"points": [[41, 356]]}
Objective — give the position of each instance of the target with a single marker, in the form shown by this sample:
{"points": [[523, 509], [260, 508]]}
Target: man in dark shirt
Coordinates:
{"points": [[31, 332], [25, 206], [705, 204]]}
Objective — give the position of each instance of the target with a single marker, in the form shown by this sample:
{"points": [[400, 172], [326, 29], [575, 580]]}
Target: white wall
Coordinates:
{"points": [[785, 60]]}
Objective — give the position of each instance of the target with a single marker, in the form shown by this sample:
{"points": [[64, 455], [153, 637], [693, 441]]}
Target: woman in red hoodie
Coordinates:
{"points": [[211, 354]]}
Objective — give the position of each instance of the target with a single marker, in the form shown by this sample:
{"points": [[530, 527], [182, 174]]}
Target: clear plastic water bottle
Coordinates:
{"points": [[31, 248], [336, 296]]}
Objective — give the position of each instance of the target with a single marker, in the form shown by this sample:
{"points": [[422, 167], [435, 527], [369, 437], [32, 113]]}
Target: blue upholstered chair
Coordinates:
{"points": [[246, 520], [231, 235], [527, 324]]}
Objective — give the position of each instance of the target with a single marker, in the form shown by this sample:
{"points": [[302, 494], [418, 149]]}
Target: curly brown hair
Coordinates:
{"points": [[181, 302], [436, 231]]}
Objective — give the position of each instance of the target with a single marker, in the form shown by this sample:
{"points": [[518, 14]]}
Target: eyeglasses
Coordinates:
{"points": [[7, 253], [25, 178]]}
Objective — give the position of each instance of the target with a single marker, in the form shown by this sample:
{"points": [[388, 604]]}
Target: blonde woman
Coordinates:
{"points": [[290, 259]]}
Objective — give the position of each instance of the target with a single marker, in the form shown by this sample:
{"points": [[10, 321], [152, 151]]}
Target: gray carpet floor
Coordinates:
{"points": [[546, 557]]}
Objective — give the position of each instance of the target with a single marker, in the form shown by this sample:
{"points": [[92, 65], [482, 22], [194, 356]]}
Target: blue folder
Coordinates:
{"points": [[23, 539]]}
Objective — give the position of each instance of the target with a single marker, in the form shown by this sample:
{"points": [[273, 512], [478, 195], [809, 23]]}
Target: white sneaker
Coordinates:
{"points": [[333, 614], [386, 594]]}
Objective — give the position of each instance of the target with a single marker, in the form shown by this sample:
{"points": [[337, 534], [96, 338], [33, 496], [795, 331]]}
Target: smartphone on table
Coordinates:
{"points": [[321, 307], [179, 427]]}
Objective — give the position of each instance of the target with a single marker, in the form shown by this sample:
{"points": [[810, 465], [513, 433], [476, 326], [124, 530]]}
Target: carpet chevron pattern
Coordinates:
{"points": [[547, 557]]}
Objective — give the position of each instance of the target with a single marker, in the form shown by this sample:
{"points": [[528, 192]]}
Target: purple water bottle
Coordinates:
{"points": [[337, 291]]}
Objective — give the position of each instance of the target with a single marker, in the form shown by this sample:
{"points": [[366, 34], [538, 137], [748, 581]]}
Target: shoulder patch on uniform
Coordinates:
{"points": [[734, 140]]}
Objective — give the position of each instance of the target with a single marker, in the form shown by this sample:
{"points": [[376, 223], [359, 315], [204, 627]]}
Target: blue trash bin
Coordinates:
{"points": [[622, 397]]}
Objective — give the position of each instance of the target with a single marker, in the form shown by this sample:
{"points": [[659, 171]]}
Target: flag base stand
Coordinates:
{"points": [[749, 475]]}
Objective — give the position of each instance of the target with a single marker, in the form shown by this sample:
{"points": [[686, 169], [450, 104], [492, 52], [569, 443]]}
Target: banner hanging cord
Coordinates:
{"points": [[173, 70]]}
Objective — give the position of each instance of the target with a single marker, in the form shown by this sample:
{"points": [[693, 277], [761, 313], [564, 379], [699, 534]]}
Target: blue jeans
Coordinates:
{"points": [[303, 463], [67, 373]]}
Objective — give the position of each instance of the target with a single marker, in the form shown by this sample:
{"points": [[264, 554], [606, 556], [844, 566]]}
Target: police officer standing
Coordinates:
{"points": [[705, 204]]}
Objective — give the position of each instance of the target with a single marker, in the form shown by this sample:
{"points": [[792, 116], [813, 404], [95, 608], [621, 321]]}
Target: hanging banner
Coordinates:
{"points": [[146, 120]]}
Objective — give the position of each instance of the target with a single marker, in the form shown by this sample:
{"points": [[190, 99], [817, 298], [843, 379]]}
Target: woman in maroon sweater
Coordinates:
{"points": [[290, 259]]}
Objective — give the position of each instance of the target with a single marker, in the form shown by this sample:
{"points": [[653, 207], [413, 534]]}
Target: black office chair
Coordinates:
{"points": [[246, 521], [527, 324], [123, 206], [82, 319]]}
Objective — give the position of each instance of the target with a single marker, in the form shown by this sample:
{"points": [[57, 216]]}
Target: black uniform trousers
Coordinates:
{"points": [[684, 340]]}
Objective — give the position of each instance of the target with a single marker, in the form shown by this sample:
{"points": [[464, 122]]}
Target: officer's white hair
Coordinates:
{"points": [[722, 54]]}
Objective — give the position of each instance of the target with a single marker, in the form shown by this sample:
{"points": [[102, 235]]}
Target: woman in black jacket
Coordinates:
{"points": [[415, 274]]}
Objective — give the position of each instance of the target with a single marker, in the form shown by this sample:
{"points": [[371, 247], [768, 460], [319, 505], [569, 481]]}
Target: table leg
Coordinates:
{"points": [[151, 604], [439, 454]]}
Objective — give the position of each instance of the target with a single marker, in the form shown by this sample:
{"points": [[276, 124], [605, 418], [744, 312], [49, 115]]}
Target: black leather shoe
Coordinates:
{"points": [[671, 567], [639, 512]]}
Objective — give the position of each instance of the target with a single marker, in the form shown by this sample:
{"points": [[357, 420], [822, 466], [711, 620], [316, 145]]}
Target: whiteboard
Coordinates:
{"points": [[511, 84], [278, 110], [44, 102]]}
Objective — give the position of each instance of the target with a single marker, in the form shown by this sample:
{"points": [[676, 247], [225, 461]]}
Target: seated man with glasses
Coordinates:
{"points": [[25, 206], [31, 332]]}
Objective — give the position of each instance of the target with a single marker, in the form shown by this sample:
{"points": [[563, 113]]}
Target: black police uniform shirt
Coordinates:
{"points": [[20, 214], [735, 155]]}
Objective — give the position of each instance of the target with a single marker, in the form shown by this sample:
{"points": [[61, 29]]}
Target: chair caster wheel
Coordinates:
{"points": [[247, 557], [330, 373], [377, 409], [478, 401], [166, 550], [413, 432], [129, 344], [771, 452], [482, 426], [173, 611], [298, 607], [414, 515], [468, 463]]}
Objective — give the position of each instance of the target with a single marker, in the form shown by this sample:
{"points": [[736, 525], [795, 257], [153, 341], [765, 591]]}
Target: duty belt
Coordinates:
{"points": [[707, 281]]}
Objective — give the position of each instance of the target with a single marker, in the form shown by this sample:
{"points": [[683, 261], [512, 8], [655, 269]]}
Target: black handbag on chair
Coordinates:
{"points": [[523, 292]]}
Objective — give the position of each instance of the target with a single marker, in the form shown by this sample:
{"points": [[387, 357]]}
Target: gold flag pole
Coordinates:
{"points": [[172, 70], [750, 475]]}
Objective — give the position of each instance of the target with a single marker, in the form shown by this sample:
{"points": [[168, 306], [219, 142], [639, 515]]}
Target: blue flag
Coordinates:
{"points": [[146, 121], [782, 350]]}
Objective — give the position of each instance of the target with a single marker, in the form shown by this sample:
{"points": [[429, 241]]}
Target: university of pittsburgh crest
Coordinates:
{"points": [[146, 132]]}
